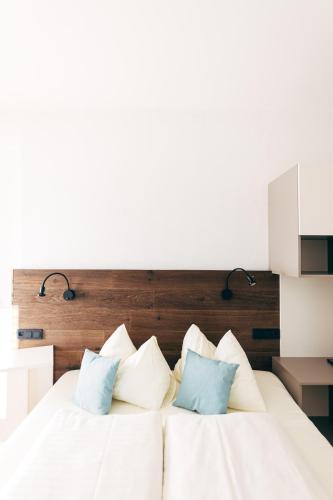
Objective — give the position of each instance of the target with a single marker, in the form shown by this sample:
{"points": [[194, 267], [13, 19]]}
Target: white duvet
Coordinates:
{"points": [[243, 456], [79, 457], [233, 457]]}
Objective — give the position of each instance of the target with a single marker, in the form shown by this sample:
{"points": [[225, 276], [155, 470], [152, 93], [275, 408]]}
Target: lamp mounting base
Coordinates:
{"points": [[226, 294], [69, 294]]}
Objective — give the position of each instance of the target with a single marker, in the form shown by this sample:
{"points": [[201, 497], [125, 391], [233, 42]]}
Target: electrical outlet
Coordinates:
{"points": [[29, 333]]}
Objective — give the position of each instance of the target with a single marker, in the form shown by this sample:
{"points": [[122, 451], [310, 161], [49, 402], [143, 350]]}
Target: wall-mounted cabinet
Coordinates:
{"points": [[316, 254], [301, 222]]}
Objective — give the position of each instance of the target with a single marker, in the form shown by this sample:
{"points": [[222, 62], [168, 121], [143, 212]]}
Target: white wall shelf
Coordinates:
{"points": [[301, 222]]}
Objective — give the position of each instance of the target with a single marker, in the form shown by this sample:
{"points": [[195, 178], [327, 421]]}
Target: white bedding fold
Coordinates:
{"points": [[79, 457], [233, 457]]}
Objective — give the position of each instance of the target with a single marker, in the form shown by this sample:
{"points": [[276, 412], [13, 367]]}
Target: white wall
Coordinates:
{"points": [[144, 134], [10, 222], [306, 316], [146, 189]]}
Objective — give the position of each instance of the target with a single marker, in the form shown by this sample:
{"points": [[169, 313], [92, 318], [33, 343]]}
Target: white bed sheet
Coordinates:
{"points": [[237, 456], [117, 456], [314, 448]]}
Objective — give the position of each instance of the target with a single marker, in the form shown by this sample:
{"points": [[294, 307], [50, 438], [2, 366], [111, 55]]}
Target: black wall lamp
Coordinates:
{"points": [[69, 294], [226, 292]]}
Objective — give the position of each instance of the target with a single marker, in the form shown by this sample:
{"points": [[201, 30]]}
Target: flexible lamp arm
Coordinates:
{"points": [[249, 277], [226, 292], [68, 294]]}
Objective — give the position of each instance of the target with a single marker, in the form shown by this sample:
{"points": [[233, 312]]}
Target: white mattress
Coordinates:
{"points": [[314, 448]]}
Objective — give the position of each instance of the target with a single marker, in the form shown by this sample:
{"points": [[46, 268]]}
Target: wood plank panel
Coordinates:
{"points": [[215, 320], [86, 279], [160, 303], [133, 279], [71, 339], [114, 299], [249, 299], [70, 316]]}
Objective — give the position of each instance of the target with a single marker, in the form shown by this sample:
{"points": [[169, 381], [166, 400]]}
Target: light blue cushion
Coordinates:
{"points": [[95, 384], [206, 384]]}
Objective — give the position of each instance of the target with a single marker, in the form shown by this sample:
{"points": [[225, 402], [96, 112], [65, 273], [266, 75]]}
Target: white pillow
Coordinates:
{"points": [[196, 341], [118, 345], [144, 378], [245, 394]]}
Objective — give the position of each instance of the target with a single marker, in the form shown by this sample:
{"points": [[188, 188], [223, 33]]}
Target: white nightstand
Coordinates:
{"points": [[25, 377]]}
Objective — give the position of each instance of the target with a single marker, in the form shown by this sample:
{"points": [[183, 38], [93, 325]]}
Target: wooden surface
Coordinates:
{"points": [[161, 303], [307, 371]]}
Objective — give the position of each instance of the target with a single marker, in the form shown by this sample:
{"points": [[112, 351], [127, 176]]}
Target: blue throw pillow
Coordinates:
{"points": [[206, 384], [95, 384]]}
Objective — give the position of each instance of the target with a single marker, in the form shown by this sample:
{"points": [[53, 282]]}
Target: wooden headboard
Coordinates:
{"points": [[161, 303]]}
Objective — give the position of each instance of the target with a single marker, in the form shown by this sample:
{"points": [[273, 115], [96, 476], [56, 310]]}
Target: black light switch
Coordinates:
{"points": [[266, 333], [30, 333]]}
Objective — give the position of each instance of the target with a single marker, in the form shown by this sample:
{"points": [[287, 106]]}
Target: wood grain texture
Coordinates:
{"points": [[161, 303]]}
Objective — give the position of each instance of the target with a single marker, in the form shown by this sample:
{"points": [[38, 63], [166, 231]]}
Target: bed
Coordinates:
{"points": [[310, 446], [172, 465]]}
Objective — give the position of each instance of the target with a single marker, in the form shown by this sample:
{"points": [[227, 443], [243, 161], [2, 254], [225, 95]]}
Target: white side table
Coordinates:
{"points": [[25, 377]]}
